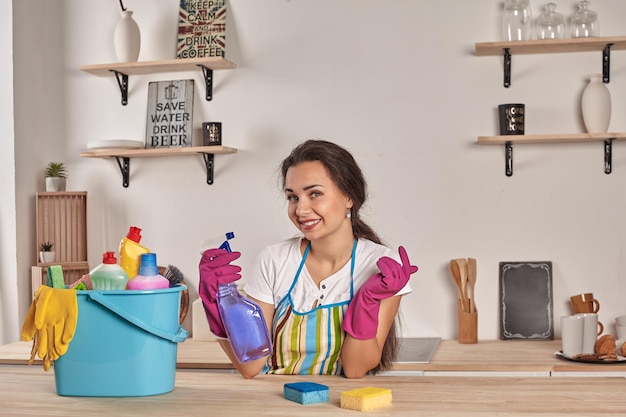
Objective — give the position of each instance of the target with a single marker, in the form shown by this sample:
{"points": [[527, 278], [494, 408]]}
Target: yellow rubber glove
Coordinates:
{"points": [[28, 328], [53, 316]]}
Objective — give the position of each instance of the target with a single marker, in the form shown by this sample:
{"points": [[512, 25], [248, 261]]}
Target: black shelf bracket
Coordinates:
{"points": [[606, 63], [508, 159], [123, 162], [124, 165], [608, 156], [507, 67], [208, 80], [122, 81], [210, 163]]}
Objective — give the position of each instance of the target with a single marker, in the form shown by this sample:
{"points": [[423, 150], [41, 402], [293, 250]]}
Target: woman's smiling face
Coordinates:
{"points": [[316, 206]]}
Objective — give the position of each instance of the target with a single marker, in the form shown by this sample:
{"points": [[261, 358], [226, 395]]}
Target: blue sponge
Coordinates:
{"points": [[306, 392]]}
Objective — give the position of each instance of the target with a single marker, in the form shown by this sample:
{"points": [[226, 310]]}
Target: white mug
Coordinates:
{"points": [[590, 332], [621, 320], [572, 335]]}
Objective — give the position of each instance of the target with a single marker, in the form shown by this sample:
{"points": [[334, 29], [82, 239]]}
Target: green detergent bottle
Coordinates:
{"points": [[108, 275]]}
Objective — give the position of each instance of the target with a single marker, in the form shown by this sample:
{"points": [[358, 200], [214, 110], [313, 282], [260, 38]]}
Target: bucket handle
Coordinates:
{"points": [[178, 337]]}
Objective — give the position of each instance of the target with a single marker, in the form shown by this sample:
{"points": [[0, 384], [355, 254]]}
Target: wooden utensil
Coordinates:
{"points": [[455, 270], [462, 262], [471, 280]]}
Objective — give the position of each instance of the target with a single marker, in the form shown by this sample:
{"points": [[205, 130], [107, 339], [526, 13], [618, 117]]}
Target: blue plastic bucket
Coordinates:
{"points": [[125, 344]]}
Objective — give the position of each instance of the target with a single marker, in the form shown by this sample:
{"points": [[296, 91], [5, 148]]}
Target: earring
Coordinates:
{"points": [[349, 214]]}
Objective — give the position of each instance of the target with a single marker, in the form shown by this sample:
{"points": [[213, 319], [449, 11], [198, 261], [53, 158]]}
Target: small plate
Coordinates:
{"points": [[115, 144], [620, 359]]}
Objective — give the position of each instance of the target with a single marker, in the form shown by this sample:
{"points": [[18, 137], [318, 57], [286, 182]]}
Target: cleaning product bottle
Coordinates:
{"points": [[130, 251], [216, 243], [243, 319], [148, 278], [244, 324], [108, 275]]}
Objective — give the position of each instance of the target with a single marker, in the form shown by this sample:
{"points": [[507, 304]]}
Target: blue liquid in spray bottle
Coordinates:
{"points": [[243, 320]]}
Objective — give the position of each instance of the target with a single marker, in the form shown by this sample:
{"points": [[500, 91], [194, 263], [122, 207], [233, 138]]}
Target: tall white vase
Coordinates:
{"points": [[596, 105], [127, 38]]}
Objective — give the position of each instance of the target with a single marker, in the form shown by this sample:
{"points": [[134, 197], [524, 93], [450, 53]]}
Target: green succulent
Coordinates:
{"points": [[46, 246], [56, 169]]}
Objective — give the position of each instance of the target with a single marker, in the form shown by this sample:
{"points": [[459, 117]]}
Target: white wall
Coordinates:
{"points": [[8, 256], [396, 82]]}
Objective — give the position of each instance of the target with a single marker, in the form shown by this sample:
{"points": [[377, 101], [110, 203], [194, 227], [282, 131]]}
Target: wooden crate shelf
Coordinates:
{"points": [[62, 220]]}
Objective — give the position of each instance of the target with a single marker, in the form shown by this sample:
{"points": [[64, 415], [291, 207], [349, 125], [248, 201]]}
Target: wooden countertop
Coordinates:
{"points": [[28, 390], [485, 356]]}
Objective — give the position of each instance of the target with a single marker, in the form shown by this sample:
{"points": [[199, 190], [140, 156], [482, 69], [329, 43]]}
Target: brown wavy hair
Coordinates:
{"points": [[348, 176]]}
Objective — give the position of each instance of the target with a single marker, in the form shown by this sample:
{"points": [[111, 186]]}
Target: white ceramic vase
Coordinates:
{"points": [[46, 257], [55, 184], [596, 105], [127, 38]]}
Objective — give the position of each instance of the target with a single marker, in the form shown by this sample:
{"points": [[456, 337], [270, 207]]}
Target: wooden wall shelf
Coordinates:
{"points": [[121, 70], [508, 142], [552, 138], [154, 67], [123, 156], [550, 46]]}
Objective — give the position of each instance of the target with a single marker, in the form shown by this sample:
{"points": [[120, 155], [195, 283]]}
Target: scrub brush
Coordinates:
{"points": [[175, 277]]}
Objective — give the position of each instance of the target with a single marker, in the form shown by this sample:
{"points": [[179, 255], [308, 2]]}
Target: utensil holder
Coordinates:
{"points": [[468, 326]]}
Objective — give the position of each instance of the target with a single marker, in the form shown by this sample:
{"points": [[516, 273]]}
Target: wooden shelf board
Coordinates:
{"points": [[62, 193], [552, 138], [551, 45], [151, 67], [141, 153], [66, 265]]}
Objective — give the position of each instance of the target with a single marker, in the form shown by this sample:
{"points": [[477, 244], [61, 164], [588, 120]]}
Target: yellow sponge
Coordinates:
{"points": [[366, 399]]}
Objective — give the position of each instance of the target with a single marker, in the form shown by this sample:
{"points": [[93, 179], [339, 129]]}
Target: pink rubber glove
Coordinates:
{"points": [[215, 269], [361, 318]]}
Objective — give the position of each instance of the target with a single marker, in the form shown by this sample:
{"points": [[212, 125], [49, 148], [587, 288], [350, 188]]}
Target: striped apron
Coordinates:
{"points": [[308, 342]]}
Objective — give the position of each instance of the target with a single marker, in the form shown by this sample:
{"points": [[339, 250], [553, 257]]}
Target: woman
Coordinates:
{"points": [[330, 296]]}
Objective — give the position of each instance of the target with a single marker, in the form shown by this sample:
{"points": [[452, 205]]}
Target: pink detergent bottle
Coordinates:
{"points": [[148, 278]]}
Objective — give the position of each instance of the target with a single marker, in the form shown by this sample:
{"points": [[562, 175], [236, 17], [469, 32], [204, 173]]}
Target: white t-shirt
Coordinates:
{"points": [[276, 266]]}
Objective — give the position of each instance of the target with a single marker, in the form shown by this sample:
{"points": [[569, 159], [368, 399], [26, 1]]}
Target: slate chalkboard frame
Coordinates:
{"points": [[526, 300]]}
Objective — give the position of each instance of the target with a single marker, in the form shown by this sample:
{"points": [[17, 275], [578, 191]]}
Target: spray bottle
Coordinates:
{"points": [[214, 243], [130, 252], [243, 320]]}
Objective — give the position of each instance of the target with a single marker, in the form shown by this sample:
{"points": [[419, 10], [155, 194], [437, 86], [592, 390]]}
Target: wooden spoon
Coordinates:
{"points": [[455, 270], [471, 279]]}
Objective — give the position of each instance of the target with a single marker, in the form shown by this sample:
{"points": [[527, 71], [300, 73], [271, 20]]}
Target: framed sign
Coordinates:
{"points": [[170, 114], [526, 304], [201, 29]]}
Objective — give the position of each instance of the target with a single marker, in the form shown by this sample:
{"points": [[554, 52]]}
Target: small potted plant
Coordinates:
{"points": [[46, 255], [55, 176]]}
